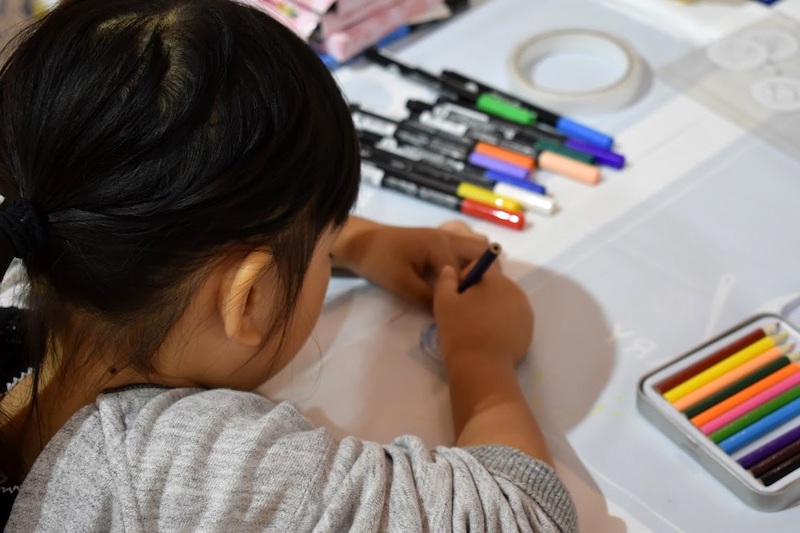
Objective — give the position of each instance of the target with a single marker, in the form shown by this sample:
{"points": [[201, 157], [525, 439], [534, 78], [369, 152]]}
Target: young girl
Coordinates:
{"points": [[178, 176]]}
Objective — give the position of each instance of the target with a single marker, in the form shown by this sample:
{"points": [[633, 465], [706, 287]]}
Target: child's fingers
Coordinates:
{"points": [[461, 250], [446, 282], [458, 227], [468, 249], [417, 290]]}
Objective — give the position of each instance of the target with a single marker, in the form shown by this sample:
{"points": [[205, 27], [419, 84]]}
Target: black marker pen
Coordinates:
{"points": [[392, 180], [434, 140], [530, 200], [459, 89], [480, 268]]}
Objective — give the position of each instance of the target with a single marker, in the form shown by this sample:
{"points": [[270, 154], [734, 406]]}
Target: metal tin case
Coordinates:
{"points": [[679, 429]]}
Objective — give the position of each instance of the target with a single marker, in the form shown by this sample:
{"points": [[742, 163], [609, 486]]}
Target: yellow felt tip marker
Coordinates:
{"points": [[485, 196]]}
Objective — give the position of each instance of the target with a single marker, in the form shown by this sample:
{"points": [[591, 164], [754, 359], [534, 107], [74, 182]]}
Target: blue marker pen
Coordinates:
{"points": [[565, 125]]}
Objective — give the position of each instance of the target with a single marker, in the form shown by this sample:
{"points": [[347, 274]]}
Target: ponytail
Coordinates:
{"points": [[13, 365], [22, 230], [22, 233]]}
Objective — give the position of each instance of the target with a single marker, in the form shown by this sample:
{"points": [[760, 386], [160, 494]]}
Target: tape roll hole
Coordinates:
{"points": [[575, 64], [577, 71]]}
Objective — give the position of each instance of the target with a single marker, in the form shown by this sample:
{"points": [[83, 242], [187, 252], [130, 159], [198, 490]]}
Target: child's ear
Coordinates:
{"points": [[244, 302]]}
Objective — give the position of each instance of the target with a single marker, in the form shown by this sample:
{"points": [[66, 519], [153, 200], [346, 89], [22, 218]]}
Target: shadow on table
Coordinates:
{"points": [[569, 366]]}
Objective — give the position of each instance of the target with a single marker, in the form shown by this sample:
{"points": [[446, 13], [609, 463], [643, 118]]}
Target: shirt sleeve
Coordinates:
{"points": [[535, 478], [225, 460], [404, 486]]}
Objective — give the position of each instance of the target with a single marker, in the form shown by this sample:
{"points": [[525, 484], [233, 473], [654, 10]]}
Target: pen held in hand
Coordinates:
{"points": [[429, 341], [480, 268]]}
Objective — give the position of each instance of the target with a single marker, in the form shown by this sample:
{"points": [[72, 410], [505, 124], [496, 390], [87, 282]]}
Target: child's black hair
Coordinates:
{"points": [[153, 135]]}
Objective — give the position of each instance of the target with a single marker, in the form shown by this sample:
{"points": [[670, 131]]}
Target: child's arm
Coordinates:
{"points": [[489, 408], [488, 405], [484, 332], [404, 260]]}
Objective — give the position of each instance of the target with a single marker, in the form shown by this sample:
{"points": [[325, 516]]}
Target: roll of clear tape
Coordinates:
{"points": [[613, 96]]}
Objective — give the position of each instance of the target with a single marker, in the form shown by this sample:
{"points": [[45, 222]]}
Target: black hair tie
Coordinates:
{"points": [[24, 227]]}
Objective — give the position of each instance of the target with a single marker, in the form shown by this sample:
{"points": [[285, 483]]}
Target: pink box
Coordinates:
{"points": [[334, 21], [335, 6], [300, 19], [349, 42]]}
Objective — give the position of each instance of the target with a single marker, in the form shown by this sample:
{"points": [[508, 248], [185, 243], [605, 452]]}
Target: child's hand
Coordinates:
{"points": [[483, 333], [404, 260], [491, 321]]}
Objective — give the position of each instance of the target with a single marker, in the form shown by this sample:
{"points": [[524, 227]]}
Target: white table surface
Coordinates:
{"points": [[697, 233]]}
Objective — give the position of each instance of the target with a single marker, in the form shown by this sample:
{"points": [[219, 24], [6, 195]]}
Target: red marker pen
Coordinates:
{"points": [[381, 178]]}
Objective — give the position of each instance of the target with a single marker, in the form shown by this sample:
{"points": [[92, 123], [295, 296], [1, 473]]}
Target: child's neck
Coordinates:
{"points": [[62, 393]]}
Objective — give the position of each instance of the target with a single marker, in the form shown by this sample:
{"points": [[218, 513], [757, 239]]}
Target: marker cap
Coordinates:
{"points": [[569, 167], [601, 155], [479, 194], [532, 186], [500, 108], [491, 163], [529, 200], [503, 154], [558, 148], [493, 214], [579, 131]]}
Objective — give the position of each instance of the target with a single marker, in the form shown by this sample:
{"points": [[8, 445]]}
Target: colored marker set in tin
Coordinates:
{"points": [[734, 404]]}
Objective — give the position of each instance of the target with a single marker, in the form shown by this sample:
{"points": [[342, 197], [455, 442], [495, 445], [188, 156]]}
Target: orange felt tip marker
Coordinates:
{"points": [[546, 160], [509, 156]]}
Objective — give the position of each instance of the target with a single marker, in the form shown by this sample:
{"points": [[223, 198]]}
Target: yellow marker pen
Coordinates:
{"points": [[480, 194]]}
